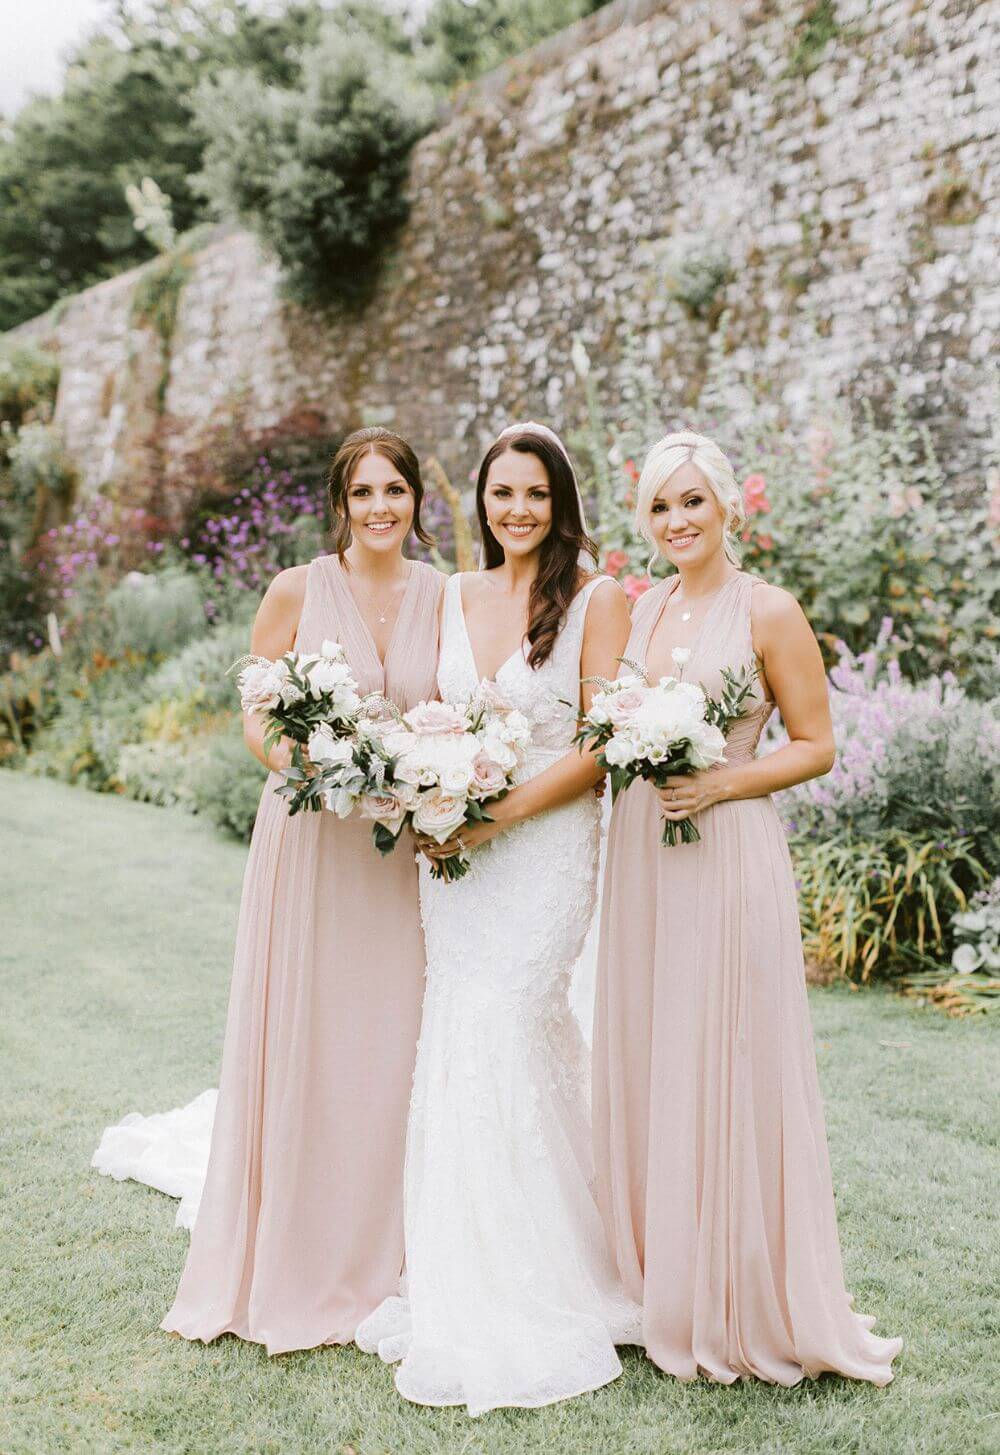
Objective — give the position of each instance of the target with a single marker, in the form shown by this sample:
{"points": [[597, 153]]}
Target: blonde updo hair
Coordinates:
{"points": [[665, 458]]}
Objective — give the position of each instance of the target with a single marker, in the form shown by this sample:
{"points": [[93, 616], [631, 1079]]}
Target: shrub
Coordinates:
{"points": [[226, 784], [29, 379], [870, 906], [971, 983], [243, 540], [198, 671], [921, 759], [27, 700], [318, 170], [152, 615]]}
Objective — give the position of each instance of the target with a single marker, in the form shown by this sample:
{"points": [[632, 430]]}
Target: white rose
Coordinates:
{"points": [[708, 746], [621, 750], [501, 753], [332, 650], [439, 815], [681, 656], [456, 779]]}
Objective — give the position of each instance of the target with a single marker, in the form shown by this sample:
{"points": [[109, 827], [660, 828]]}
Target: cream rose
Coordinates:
{"points": [[387, 809], [439, 815]]}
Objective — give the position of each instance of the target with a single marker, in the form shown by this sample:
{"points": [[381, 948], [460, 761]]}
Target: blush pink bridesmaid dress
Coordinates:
{"points": [[300, 1230], [713, 1174]]}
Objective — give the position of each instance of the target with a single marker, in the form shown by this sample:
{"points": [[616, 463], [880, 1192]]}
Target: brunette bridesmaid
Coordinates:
{"points": [[300, 1230], [713, 1174]]}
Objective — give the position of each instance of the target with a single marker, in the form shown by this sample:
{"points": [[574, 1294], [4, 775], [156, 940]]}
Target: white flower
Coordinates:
{"points": [[967, 958], [436, 717], [327, 751], [456, 779], [623, 748], [326, 676], [439, 815], [290, 694], [260, 685], [501, 753], [708, 746], [681, 656], [340, 801], [579, 358], [333, 650]]}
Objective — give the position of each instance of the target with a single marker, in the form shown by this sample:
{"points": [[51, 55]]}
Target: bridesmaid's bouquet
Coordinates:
{"points": [[311, 698], [655, 730], [438, 767]]}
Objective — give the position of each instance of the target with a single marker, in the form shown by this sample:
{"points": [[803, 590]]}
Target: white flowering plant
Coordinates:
{"points": [[311, 698], [439, 767], [639, 729]]}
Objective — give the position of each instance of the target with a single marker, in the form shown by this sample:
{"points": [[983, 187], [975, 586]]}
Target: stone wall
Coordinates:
{"points": [[591, 187]]}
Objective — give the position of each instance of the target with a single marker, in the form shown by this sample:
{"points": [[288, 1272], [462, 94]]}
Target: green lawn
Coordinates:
{"points": [[117, 930]]}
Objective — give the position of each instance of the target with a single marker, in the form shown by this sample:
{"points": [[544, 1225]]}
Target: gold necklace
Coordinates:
{"points": [[381, 612]]}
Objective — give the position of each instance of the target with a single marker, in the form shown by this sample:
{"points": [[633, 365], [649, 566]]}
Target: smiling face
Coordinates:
{"points": [[380, 504], [518, 502], [686, 521]]}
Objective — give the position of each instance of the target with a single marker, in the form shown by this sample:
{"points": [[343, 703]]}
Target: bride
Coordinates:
{"points": [[510, 1297]]}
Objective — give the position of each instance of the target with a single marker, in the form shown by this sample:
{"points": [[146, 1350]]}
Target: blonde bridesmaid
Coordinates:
{"points": [[300, 1230], [713, 1174]]}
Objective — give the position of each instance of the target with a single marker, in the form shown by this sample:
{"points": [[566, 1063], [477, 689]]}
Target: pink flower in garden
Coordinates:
{"points": [[615, 561], [632, 471], [765, 542], [755, 495], [636, 586]]}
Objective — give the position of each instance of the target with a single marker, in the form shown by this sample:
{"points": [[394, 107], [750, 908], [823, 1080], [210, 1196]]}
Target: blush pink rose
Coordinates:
{"points": [[755, 499], [623, 706], [387, 809], [439, 815], [435, 717], [488, 777], [615, 561]]}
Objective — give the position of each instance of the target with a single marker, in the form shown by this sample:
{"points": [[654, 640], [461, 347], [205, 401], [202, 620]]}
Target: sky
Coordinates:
{"points": [[34, 35]]}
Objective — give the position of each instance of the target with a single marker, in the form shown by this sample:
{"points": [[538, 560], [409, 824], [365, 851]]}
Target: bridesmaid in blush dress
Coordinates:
{"points": [[300, 1230], [713, 1174]]}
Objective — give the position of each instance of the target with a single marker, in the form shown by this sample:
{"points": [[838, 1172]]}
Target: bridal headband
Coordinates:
{"points": [[532, 426]]}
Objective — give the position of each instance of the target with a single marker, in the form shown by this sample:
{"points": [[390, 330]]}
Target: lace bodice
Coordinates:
{"points": [[548, 695]]}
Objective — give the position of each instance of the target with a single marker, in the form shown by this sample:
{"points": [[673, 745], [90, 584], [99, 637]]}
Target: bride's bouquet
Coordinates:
{"points": [[311, 698], [656, 730], [438, 767]]}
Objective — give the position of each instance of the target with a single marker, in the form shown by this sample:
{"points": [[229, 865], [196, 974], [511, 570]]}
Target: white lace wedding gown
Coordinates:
{"points": [[510, 1296]]}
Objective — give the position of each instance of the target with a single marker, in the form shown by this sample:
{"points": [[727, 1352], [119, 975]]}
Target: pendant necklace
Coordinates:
{"points": [[381, 611]]}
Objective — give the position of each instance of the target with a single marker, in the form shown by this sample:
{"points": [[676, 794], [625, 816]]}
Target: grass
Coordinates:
{"points": [[118, 928]]}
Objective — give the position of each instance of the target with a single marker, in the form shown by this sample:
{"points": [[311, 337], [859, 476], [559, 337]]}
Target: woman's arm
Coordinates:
{"points": [[793, 667], [274, 629], [605, 634]]}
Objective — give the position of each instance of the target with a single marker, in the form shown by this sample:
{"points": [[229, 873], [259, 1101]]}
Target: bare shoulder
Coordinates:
{"points": [[474, 585], [288, 589], [609, 595], [772, 608]]}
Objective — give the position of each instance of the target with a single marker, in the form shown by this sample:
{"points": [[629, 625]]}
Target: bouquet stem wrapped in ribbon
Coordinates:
{"points": [[656, 731]]}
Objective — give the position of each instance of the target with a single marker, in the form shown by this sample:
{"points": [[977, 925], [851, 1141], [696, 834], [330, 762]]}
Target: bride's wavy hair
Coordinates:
{"points": [[558, 577], [341, 472]]}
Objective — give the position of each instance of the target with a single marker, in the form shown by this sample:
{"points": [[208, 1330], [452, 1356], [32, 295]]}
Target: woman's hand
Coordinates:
{"points": [[470, 836], [686, 794]]}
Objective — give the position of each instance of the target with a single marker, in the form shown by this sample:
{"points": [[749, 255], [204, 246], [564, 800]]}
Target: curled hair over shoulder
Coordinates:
{"points": [[558, 578], [683, 448], [341, 472]]}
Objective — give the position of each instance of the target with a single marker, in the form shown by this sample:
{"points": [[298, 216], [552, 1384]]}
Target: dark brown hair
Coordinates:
{"points": [[558, 577], [341, 472]]}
